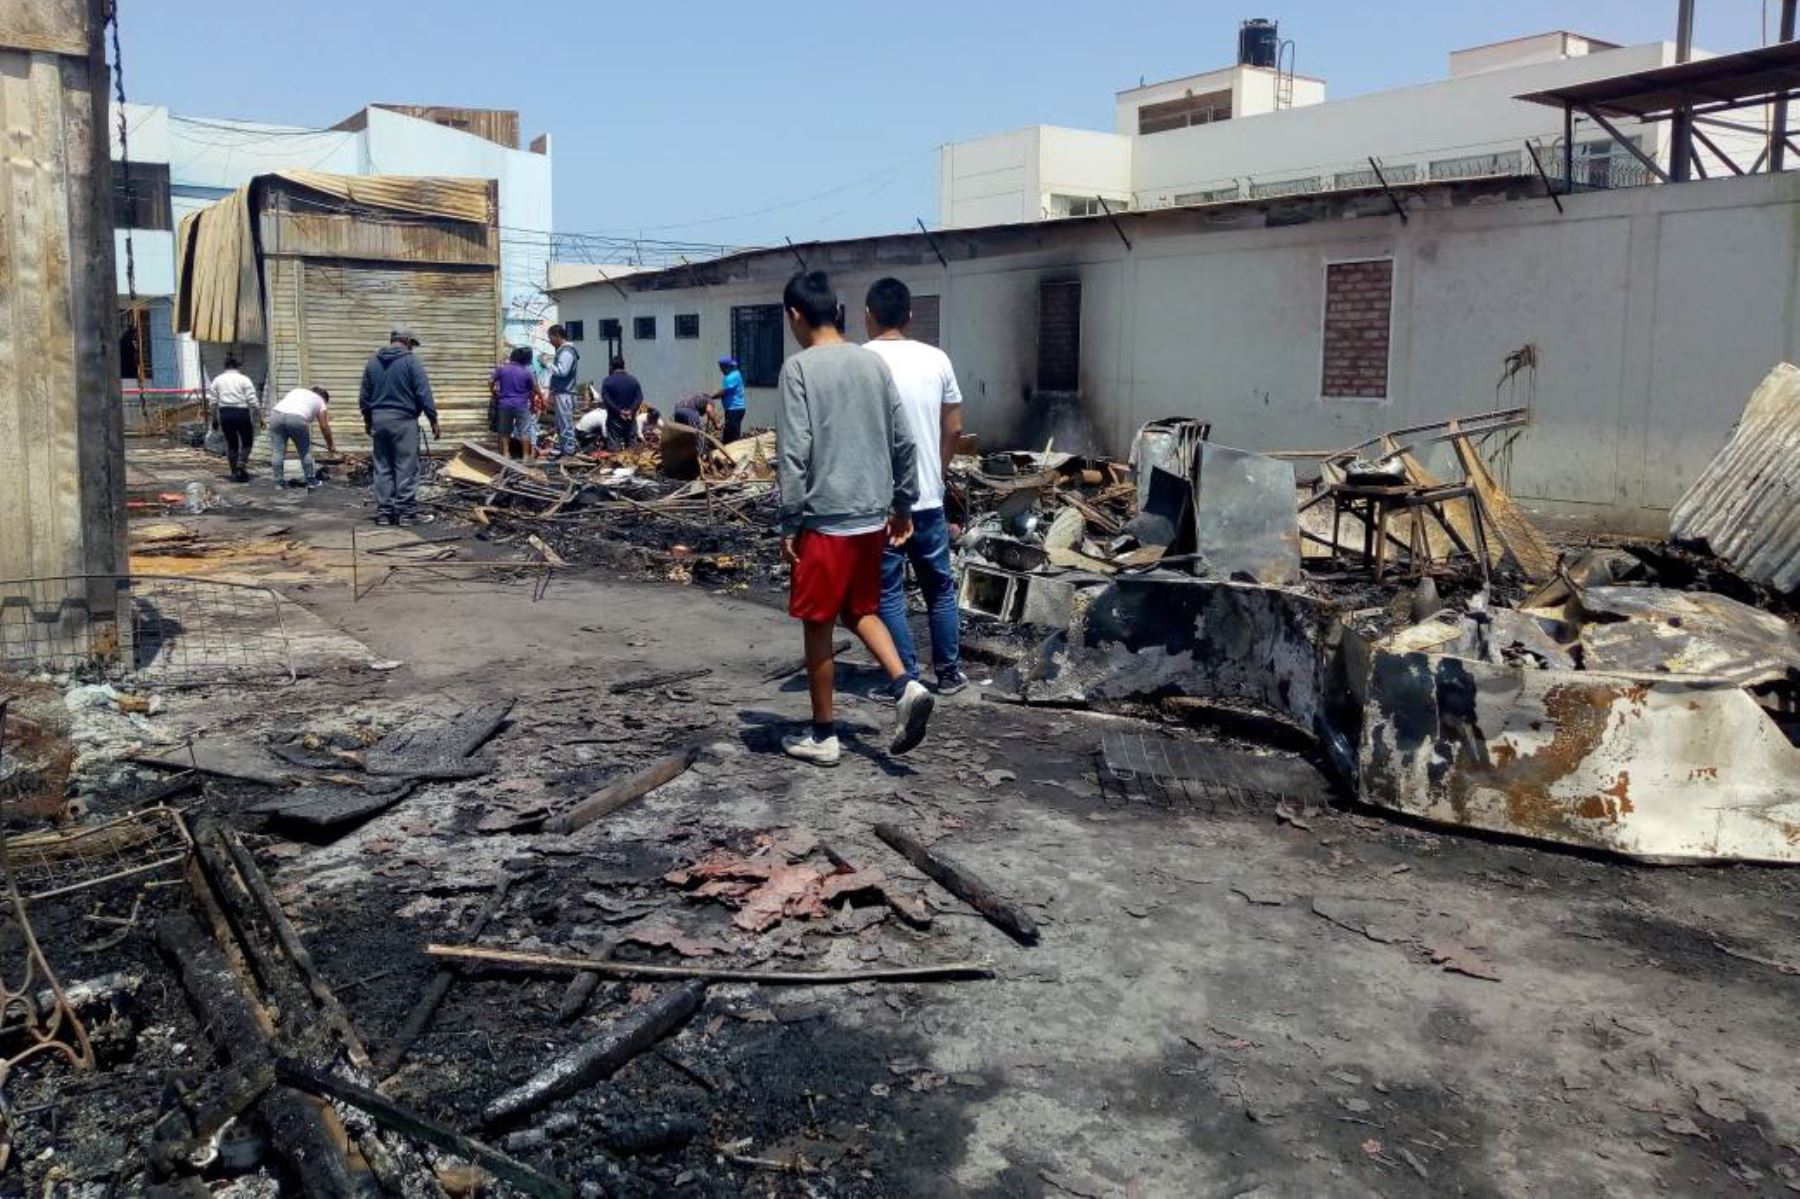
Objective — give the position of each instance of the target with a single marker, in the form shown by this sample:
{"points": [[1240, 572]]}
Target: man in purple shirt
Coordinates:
{"points": [[514, 388]]}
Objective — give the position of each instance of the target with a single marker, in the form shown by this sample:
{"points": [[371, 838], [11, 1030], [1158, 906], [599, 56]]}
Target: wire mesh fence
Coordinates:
{"points": [[165, 630]]}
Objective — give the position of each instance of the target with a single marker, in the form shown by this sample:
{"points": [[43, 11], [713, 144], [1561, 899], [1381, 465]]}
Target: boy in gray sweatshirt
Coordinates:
{"points": [[846, 462]]}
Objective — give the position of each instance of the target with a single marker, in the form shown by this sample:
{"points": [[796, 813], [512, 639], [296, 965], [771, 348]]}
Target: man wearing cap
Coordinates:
{"points": [[395, 394], [731, 397]]}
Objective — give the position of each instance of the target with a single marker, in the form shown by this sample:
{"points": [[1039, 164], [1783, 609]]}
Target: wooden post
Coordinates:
{"points": [[60, 409]]}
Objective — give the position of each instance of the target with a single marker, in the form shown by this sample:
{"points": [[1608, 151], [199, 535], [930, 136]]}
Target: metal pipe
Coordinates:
{"points": [[1778, 129], [1681, 142]]}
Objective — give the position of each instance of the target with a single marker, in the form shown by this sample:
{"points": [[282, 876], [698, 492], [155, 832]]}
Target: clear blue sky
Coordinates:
{"points": [[668, 116]]}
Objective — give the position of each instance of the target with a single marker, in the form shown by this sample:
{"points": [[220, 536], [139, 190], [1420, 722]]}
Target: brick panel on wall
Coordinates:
{"points": [[1359, 306]]}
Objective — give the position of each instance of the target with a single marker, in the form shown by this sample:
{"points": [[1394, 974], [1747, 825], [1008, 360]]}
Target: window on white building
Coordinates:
{"points": [[756, 343], [1187, 110], [643, 328], [1061, 205], [576, 330], [687, 325]]}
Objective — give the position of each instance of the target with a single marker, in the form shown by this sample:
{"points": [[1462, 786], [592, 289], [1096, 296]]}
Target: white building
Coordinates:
{"points": [[1651, 313], [1254, 131], [180, 164]]}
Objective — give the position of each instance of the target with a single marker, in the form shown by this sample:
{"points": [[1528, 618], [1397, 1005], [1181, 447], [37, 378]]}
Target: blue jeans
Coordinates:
{"points": [[284, 428], [929, 552], [565, 422]]}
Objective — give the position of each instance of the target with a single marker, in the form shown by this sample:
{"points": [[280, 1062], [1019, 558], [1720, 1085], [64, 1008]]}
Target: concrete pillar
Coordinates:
{"points": [[62, 457]]}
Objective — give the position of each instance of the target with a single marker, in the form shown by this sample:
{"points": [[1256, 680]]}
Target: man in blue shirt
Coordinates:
{"points": [[562, 363], [731, 398]]}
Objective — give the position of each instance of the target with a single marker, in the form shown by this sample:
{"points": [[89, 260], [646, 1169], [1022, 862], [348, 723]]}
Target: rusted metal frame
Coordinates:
{"points": [[932, 242], [1649, 164], [43, 1038], [1549, 188], [1380, 178], [1117, 228], [1698, 135]]}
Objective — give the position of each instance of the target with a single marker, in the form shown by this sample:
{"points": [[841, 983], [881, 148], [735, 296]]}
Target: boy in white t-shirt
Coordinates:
{"points": [[932, 403]]}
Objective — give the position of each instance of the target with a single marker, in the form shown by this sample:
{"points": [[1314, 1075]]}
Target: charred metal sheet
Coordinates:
{"points": [[1742, 507], [1654, 630], [1245, 521], [1155, 636], [1663, 769]]}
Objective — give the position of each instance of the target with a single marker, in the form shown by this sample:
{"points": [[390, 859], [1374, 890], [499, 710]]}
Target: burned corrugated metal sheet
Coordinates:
{"points": [[1653, 630], [1661, 769], [219, 276], [422, 195], [1745, 506], [342, 313], [217, 293]]}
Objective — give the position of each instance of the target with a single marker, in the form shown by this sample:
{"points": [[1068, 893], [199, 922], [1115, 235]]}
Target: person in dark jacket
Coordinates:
{"points": [[395, 394]]}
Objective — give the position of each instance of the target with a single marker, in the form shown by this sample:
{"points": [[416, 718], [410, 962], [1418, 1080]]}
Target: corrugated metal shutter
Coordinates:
{"points": [[347, 310]]}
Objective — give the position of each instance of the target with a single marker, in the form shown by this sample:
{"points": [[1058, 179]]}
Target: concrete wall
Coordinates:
{"points": [[1080, 162], [990, 180], [401, 145], [1654, 312]]}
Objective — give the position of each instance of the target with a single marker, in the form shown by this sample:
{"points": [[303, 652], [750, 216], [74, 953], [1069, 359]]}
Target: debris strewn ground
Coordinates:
{"points": [[507, 879]]}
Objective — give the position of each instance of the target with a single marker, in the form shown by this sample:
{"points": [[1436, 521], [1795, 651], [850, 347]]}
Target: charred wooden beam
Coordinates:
{"points": [[391, 1115], [421, 1016], [601, 1057], [963, 883], [289, 939], [581, 988], [307, 1134], [519, 959], [612, 798]]}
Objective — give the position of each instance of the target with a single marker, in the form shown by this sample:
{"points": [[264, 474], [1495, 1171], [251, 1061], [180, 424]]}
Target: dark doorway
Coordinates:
{"points": [[1059, 335]]}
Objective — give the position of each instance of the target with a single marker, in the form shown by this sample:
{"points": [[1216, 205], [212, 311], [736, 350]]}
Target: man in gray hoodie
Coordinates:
{"points": [[395, 394], [847, 466]]}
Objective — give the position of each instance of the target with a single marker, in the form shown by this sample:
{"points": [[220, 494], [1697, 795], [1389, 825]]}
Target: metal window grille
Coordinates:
{"points": [[165, 630], [687, 325], [1472, 166], [1403, 172], [1211, 195], [643, 328], [756, 343], [575, 329], [1286, 187]]}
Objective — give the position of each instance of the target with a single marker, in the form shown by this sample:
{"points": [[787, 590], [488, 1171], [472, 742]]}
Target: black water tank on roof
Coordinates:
{"points": [[1259, 41]]}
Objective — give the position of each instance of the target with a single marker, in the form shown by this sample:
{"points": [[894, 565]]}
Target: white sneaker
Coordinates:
{"points": [[809, 749], [912, 712]]}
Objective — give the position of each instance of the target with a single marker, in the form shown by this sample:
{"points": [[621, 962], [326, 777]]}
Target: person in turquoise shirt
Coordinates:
{"points": [[731, 397]]}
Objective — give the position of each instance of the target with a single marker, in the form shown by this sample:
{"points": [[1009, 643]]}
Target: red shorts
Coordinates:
{"points": [[836, 576]]}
